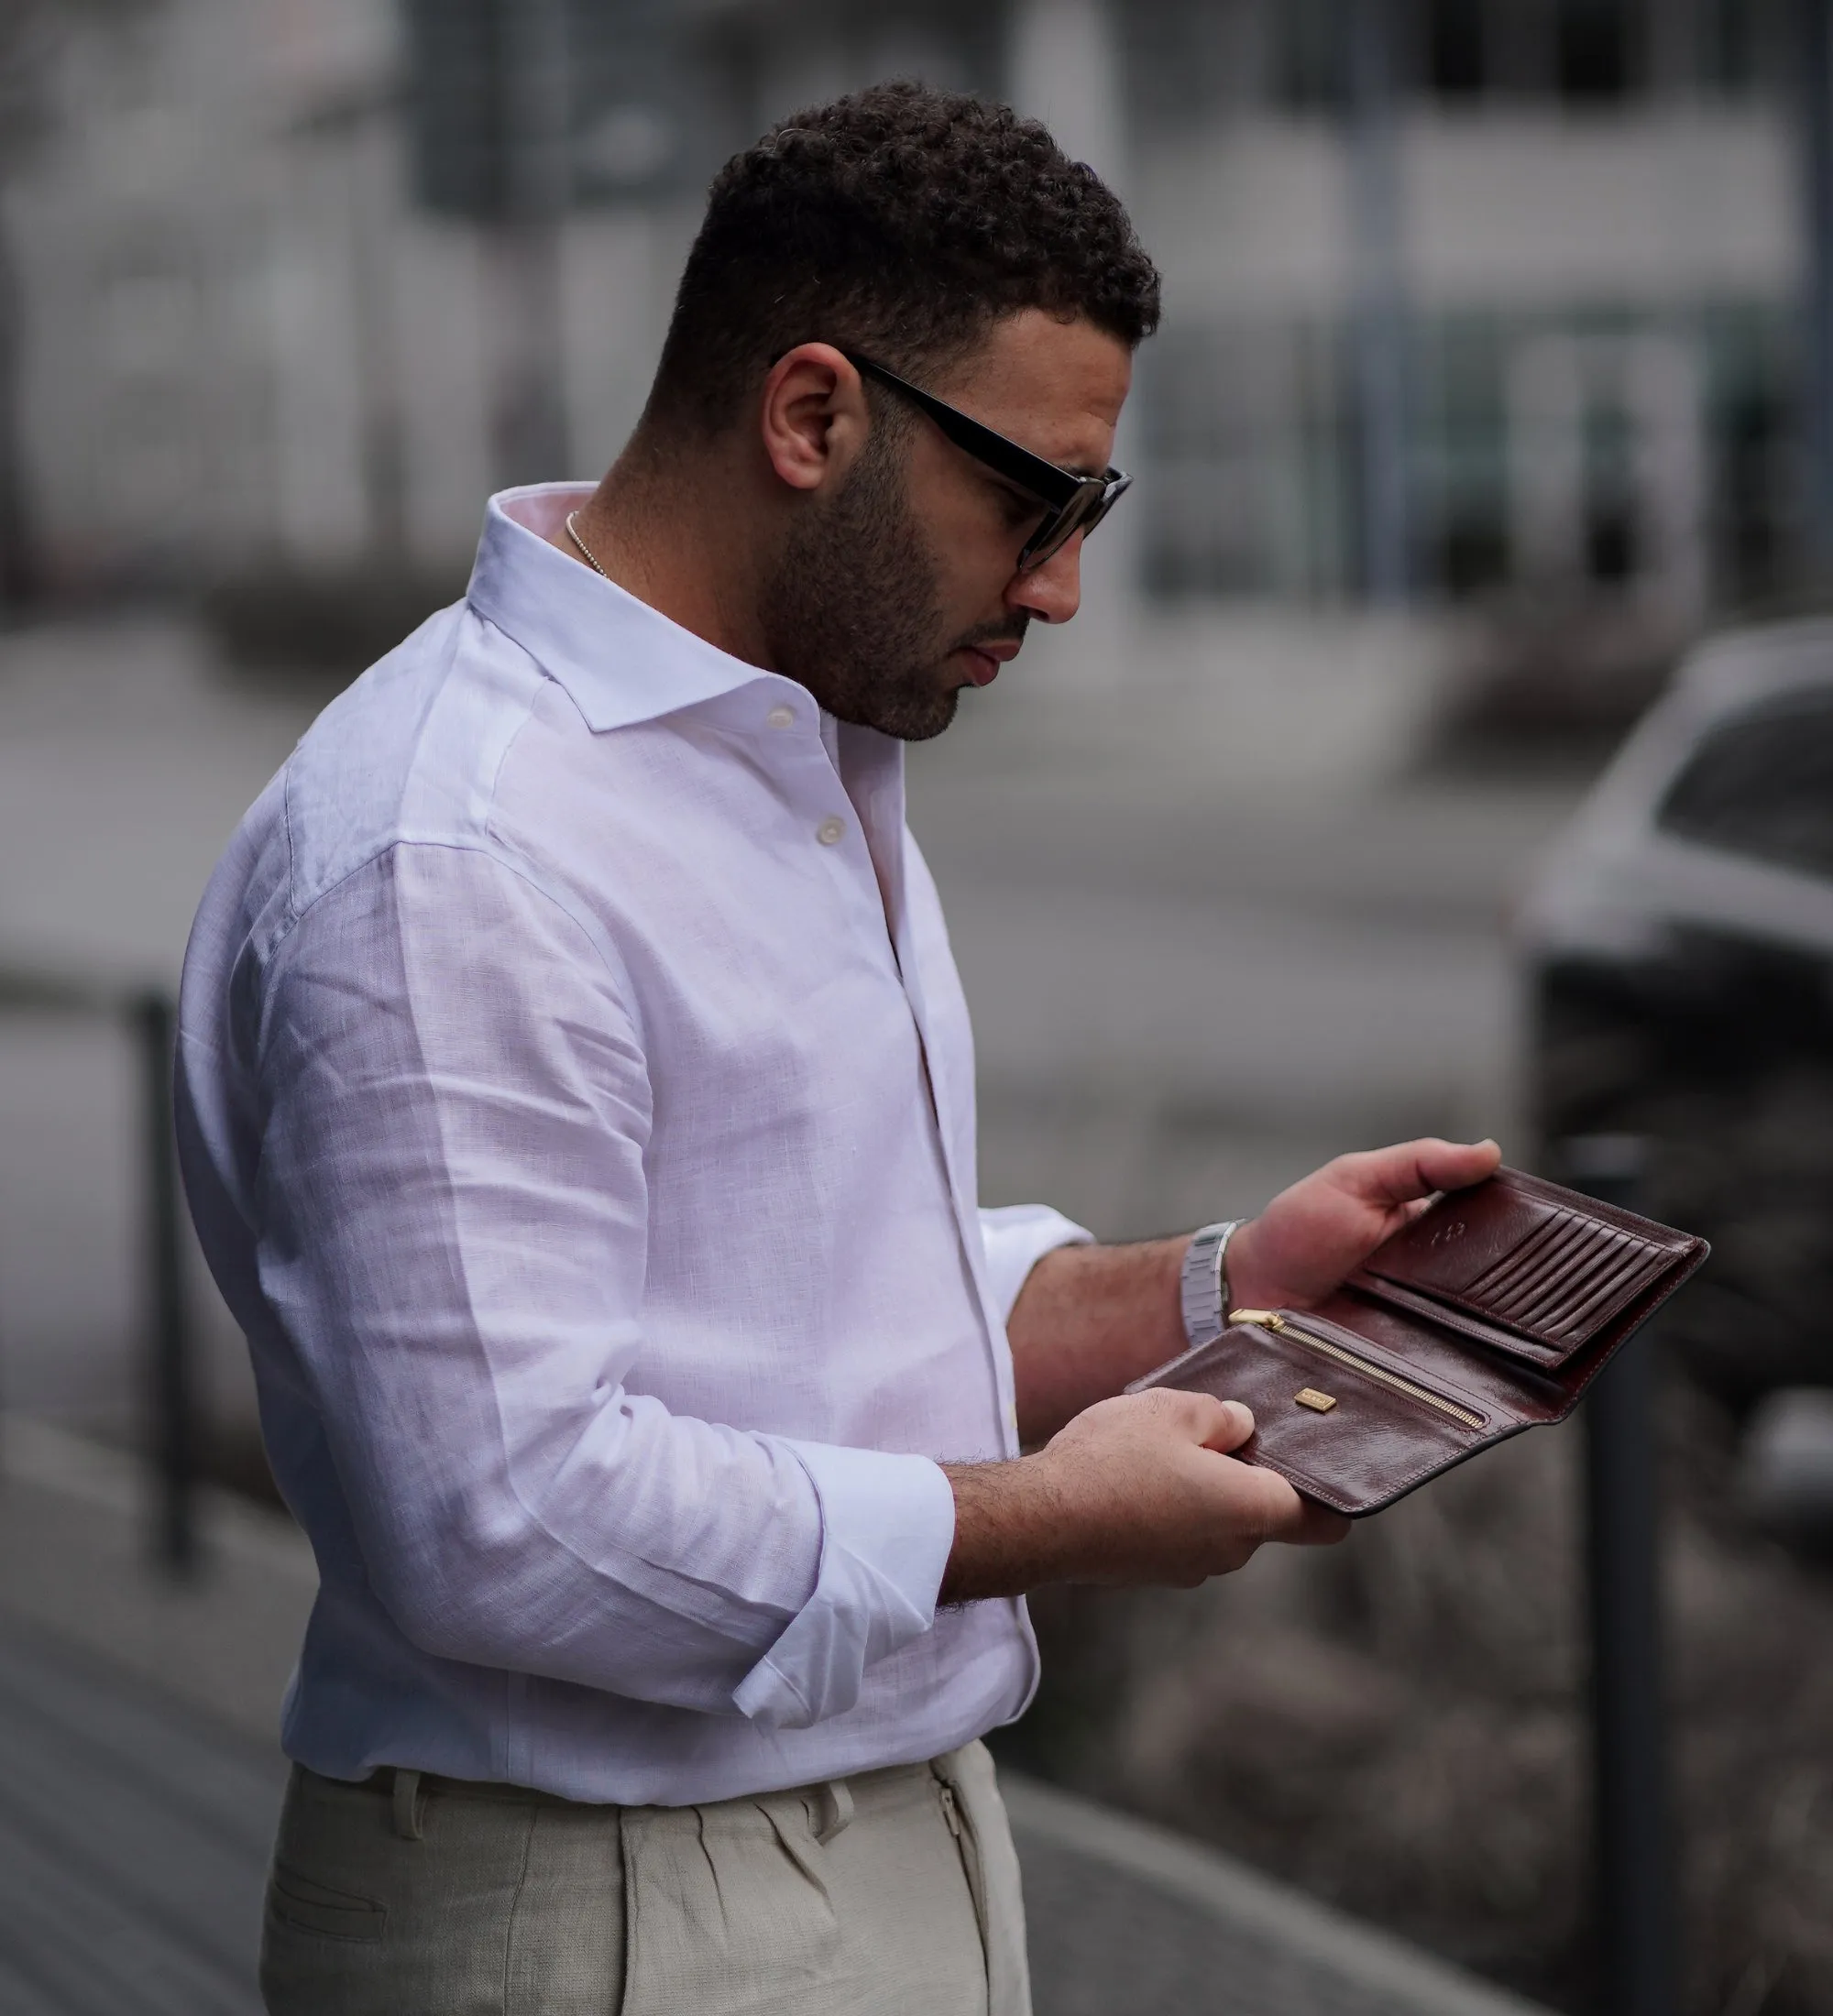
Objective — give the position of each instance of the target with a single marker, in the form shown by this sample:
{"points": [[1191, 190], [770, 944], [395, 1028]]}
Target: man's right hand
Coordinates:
{"points": [[1139, 1489]]}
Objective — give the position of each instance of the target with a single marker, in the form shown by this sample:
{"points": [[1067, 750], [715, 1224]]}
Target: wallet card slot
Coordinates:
{"points": [[1534, 1260], [1564, 1259], [1562, 1306], [1567, 1276], [1284, 1326], [1635, 1272]]}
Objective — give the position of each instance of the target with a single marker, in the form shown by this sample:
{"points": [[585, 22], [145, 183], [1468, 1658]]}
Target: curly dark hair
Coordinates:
{"points": [[899, 221]]}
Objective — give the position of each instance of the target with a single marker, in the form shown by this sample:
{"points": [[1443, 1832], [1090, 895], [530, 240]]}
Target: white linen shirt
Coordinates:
{"points": [[576, 1102]]}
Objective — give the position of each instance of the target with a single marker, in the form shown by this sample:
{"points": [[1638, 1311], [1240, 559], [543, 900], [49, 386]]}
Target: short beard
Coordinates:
{"points": [[851, 611]]}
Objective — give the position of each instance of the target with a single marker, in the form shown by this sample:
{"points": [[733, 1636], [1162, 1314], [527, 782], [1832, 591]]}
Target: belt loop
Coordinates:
{"points": [[834, 1808], [407, 1806]]}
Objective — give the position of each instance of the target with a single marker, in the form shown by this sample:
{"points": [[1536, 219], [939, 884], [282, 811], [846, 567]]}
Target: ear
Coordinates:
{"points": [[814, 419]]}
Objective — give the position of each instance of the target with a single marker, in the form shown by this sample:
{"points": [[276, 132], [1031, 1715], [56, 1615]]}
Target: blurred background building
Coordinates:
{"points": [[295, 284]]}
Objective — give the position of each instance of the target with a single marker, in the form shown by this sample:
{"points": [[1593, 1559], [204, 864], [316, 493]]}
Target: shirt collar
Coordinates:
{"points": [[621, 661]]}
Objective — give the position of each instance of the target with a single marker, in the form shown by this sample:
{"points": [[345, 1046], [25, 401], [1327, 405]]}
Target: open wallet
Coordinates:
{"points": [[1491, 1312]]}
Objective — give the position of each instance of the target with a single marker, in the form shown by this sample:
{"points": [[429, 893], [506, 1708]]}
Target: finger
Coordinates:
{"points": [[1261, 1504], [1270, 1508], [1319, 1525]]}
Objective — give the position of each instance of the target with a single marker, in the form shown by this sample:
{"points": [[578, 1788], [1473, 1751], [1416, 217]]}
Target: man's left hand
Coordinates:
{"points": [[1311, 1236]]}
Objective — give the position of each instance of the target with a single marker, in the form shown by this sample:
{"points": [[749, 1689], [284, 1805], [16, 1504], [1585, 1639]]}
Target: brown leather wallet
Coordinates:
{"points": [[1491, 1312]]}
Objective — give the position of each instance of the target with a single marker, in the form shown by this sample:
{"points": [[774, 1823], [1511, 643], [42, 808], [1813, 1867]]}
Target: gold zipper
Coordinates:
{"points": [[1270, 1319]]}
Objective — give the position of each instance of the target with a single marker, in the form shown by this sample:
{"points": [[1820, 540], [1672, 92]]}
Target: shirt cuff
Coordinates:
{"points": [[1016, 1236], [888, 1525]]}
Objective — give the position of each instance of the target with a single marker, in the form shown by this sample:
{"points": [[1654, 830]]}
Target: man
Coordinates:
{"points": [[576, 1107]]}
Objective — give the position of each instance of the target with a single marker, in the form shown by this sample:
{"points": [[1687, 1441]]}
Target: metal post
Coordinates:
{"points": [[1637, 1920], [1813, 21], [1379, 323], [168, 1369]]}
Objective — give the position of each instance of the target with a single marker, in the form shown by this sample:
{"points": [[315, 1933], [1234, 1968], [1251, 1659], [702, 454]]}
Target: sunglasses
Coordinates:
{"points": [[1072, 503]]}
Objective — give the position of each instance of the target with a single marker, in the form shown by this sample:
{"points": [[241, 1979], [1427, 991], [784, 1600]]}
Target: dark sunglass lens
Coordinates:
{"points": [[1047, 539], [1102, 505], [1084, 512]]}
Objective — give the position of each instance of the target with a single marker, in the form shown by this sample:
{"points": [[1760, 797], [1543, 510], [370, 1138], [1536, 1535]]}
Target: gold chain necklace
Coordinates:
{"points": [[573, 533]]}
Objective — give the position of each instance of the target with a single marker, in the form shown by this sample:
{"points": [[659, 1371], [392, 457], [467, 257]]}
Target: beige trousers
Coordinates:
{"points": [[894, 1892]]}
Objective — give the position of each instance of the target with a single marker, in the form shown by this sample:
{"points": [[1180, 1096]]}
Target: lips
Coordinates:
{"points": [[984, 661]]}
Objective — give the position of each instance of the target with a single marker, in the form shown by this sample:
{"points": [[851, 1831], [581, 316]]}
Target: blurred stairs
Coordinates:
{"points": [[134, 1841]]}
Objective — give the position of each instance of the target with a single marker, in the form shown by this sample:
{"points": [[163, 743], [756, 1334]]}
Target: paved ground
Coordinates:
{"points": [[133, 1845], [138, 1770]]}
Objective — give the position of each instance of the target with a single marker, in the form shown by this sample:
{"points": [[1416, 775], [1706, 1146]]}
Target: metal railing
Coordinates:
{"points": [[147, 1018]]}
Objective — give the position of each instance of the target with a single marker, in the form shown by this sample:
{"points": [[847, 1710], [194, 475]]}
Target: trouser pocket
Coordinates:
{"points": [[296, 1900], [497, 1908]]}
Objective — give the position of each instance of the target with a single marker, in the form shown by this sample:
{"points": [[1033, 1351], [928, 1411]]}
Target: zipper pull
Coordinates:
{"points": [[1265, 1318], [948, 1813]]}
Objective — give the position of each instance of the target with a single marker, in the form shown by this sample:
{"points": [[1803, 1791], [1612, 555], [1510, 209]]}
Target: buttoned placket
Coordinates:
{"points": [[893, 931], [834, 823]]}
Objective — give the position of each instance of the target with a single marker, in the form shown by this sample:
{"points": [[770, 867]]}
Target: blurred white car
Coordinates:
{"points": [[1678, 947]]}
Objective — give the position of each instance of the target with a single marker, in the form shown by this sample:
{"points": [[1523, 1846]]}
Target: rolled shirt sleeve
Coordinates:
{"points": [[888, 1524], [453, 1189], [1016, 1236]]}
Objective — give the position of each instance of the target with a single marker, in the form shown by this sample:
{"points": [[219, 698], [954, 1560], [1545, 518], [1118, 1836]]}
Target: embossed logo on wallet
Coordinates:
{"points": [[1319, 1403]]}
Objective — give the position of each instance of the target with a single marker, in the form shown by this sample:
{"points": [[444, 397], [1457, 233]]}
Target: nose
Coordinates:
{"points": [[1053, 592]]}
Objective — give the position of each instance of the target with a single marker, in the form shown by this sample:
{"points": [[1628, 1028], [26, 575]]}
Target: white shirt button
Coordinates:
{"points": [[831, 832], [781, 717]]}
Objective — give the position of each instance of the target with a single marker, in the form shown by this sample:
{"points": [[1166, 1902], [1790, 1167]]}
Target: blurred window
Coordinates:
{"points": [[1309, 52], [1455, 49], [1461, 453], [1597, 50], [1187, 63], [1737, 42], [1243, 425], [1246, 423], [1753, 427], [1762, 786]]}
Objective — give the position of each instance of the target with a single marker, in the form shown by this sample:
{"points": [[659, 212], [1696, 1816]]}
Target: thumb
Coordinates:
{"points": [[1233, 1426], [1413, 1169]]}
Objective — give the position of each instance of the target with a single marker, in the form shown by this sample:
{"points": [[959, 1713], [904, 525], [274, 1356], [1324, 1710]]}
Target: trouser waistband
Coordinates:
{"points": [[833, 1799]]}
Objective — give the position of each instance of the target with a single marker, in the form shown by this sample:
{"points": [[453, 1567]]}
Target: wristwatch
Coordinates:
{"points": [[1203, 1290]]}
